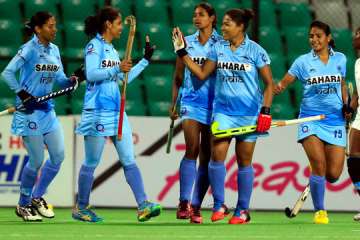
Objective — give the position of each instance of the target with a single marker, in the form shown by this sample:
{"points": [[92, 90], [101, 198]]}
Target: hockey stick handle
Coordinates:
{"points": [[297, 121], [170, 136]]}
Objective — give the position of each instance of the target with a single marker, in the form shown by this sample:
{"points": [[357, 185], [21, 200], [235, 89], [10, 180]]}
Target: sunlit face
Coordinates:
{"points": [[318, 39], [48, 30], [230, 29], [201, 18], [356, 39], [115, 28]]}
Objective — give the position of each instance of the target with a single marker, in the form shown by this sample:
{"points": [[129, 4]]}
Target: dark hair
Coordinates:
{"points": [[241, 16], [39, 19], [326, 28], [209, 9], [96, 23]]}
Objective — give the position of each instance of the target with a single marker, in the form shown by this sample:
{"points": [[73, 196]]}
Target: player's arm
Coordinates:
{"points": [[284, 83], [9, 73], [344, 91], [201, 72], [355, 101], [177, 82], [266, 76]]}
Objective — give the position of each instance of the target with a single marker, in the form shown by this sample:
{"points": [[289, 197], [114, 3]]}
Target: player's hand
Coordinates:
{"points": [[264, 120], [347, 112], [26, 98], [125, 66], [278, 89], [149, 50], [80, 73], [179, 42], [172, 113]]}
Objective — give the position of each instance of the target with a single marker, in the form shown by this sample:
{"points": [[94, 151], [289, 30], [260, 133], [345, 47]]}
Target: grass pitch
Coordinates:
{"points": [[122, 224]]}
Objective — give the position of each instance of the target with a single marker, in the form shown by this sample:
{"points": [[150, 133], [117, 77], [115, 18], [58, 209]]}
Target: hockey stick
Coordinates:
{"points": [[131, 20], [347, 125], [171, 128], [249, 129], [51, 95], [291, 213]]}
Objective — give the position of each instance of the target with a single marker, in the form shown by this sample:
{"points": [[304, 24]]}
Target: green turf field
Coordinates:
{"points": [[122, 224]]}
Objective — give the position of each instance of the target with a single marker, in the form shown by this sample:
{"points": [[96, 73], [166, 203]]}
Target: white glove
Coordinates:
{"points": [[179, 42]]}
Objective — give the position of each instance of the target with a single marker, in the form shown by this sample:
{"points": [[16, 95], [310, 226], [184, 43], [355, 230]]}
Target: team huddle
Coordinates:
{"points": [[217, 79]]}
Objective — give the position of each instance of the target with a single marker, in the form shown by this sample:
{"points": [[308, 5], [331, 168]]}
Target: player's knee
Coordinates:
{"points": [[91, 162], [192, 152], [353, 164], [34, 165], [58, 157], [128, 160], [331, 179]]}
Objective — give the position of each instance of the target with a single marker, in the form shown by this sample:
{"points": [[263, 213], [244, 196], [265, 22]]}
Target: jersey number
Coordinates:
{"points": [[338, 133]]}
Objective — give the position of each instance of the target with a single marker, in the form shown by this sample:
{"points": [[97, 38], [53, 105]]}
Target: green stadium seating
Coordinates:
{"points": [[6, 102], [77, 10], [295, 15], [120, 44], [11, 38], [135, 108], [78, 95], [76, 106], [297, 40], [160, 108], [350, 70], [75, 40], [297, 90], [158, 69], [158, 88], [124, 6], [187, 29], [33, 6], [342, 38], [62, 105], [160, 35], [72, 66], [283, 98], [270, 39], [282, 111], [267, 16], [134, 90], [182, 11], [151, 11], [10, 9], [6, 92], [222, 6], [278, 66]]}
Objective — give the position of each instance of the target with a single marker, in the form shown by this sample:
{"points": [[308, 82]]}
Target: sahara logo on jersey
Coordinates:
{"points": [[46, 67], [108, 63], [234, 66], [199, 60], [324, 79]]}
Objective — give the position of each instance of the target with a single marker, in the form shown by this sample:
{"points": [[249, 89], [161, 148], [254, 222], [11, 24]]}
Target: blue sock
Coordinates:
{"points": [[28, 178], [201, 185], [245, 181], [217, 173], [86, 178], [134, 179], [48, 173], [187, 178], [317, 189]]}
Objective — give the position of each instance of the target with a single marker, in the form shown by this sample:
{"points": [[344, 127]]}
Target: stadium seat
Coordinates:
{"points": [[135, 108], [246, 3], [289, 14], [187, 29], [282, 111], [222, 6], [6, 103], [77, 10], [76, 106], [270, 39], [158, 88], [120, 44], [10, 9], [297, 91], [297, 40], [350, 70], [33, 6], [75, 40], [160, 108], [72, 66], [283, 98], [182, 11], [79, 93], [11, 38], [124, 6], [5, 90], [342, 38], [267, 15], [292, 1], [160, 35], [332, 12], [134, 90], [62, 105], [158, 69], [278, 66], [151, 11]]}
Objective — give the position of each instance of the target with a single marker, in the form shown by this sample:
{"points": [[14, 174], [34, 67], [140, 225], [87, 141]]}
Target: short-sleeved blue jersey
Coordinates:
{"points": [[195, 92], [237, 89], [321, 85]]}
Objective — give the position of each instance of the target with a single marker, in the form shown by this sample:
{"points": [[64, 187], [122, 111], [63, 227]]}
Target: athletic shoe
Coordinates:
{"points": [[321, 217], [85, 215], [44, 209], [148, 210], [220, 214], [28, 213], [183, 211], [357, 217], [195, 215], [240, 217]]}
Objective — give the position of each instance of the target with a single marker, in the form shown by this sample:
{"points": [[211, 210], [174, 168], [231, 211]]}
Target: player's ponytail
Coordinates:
{"points": [[241, 16], [326, 28], [96, 23], [210, 11], [38, 20]]}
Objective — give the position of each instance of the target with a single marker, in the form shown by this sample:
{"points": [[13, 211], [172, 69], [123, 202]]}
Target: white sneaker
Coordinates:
{"points": [[28, 213], [357, 217], [44, 209]]}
